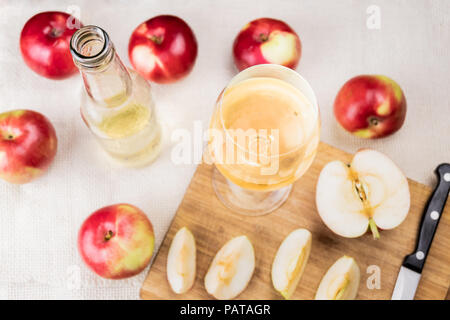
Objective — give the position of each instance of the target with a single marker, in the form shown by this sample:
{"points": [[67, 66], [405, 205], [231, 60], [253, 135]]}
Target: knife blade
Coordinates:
{"points": [[411, 270]]}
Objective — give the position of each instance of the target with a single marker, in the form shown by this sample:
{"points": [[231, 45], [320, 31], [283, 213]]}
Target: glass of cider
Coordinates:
{"points": [[263, 136]]}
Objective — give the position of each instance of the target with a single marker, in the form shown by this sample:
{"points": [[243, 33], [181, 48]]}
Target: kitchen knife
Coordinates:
{"points": [[411, 269]]}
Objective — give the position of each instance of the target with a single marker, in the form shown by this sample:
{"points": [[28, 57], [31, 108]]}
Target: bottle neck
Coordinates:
{"points": [[106, 79]]}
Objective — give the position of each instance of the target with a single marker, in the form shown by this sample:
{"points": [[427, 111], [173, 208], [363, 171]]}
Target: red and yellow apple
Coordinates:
{"points": [[370, 106], [264, 41], [163, 49], [116, 241], [45, 44], [28, 145]]}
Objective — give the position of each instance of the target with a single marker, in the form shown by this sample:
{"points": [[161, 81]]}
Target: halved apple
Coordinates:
{"points": [[231, 269], [369, 192], [341, 281], [290, 261], [181, 261]]}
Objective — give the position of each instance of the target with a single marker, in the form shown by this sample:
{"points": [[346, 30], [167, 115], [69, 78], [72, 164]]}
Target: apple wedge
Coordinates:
{"points": [[231, 269], [290, 261], [181, 261], [341, 281], [370, 192]]}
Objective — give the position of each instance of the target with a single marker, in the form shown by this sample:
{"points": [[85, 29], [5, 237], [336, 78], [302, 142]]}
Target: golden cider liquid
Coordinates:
{"points": [[289, 124], [127, 127]]}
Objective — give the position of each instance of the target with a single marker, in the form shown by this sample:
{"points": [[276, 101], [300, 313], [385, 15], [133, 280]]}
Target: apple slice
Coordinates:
{"points": [[341, 281], [231, 269], [290, 261], [370, 192], [181, 261]]}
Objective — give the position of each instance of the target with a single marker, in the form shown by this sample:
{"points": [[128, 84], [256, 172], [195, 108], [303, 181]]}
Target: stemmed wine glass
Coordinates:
{"points": [[263, 136]]}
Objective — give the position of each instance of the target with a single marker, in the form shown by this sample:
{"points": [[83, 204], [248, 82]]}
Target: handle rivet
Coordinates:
{"points": [[434, 215], [420, 255], [447, 177]]}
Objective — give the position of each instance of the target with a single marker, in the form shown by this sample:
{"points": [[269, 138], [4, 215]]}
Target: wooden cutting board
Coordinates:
{"points": [[213, 225]]}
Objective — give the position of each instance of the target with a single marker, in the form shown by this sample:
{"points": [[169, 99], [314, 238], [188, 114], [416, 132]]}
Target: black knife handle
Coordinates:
{"points": [[430, 219]]}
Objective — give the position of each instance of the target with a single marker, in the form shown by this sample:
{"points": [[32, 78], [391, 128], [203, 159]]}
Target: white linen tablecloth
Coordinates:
{"points": [[39, 221]]}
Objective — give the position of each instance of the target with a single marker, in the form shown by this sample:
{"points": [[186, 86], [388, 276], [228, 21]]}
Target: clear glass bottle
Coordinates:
{"points": [[116, 104]]}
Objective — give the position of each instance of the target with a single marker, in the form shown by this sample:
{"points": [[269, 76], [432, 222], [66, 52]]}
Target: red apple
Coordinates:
{"points": [[45, 44], [116, 241], [27, 145], [370, 106], [267, 40], [163, 49]]}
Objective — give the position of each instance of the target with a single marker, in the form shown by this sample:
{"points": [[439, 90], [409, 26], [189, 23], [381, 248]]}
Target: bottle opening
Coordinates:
{"points": [[90, 47]]}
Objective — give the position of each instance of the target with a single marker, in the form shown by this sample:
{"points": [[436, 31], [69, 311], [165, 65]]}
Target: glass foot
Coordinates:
{"points": [[247, 202]]}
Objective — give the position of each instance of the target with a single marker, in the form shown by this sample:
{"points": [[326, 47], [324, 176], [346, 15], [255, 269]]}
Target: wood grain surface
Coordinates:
{"points": [[213, 224]]}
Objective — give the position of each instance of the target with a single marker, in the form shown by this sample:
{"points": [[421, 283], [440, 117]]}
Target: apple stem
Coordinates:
{"points": [[56, 32], [156, 39], [108, 235], [263, 37], [373, 121], [374, 229], [6, 135]]}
